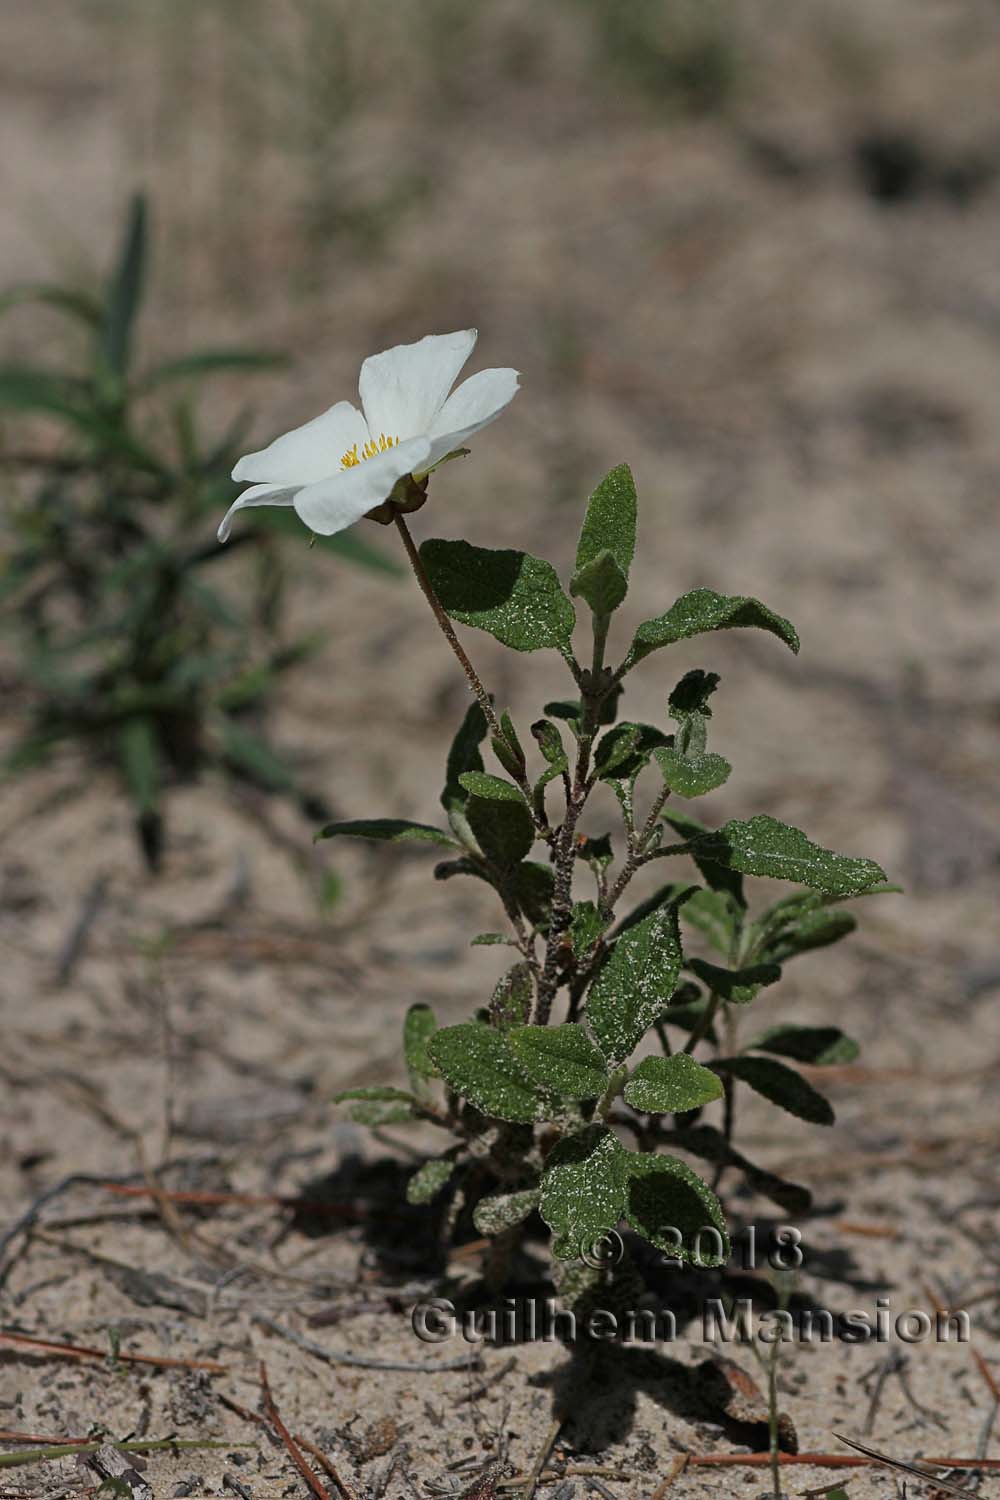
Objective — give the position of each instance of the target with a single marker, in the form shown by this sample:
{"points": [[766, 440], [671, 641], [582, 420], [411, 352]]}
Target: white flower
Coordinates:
{"points": [[343, 464]]}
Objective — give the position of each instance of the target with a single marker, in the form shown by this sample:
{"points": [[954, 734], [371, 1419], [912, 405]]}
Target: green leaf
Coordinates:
{"points": [[763, 846], [255, 758], [125, 291], [532, 885], [375, 1112], [561, 1058], [499, 818], [711, 1145], [514, 597], [478, 1064], [388, 830], [550, 743], [512, 744], [585, 927], [378, 1093], [610, 522], [670, 1085], [689, 698], [819, 1045], [715, 915], [418, 1028], [813, 929], [463, 756], [692, 775], [670, 1205], [490, 940], [601, 584], [502, 1211], [739, 986], [570, 710], [717, 877], [781, 1085], [511, 1001], [703, 610], [492, 788], [210, 362], [428, 1180], [76, 303], [141, 758], [583, 1190], [634, 986]]}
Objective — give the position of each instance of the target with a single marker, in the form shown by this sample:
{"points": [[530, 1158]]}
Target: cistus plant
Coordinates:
{"points": [[123, 645], [551, 1092]]}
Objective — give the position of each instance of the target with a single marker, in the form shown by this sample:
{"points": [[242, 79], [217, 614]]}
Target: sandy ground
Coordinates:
{"points": [[804, 380]]}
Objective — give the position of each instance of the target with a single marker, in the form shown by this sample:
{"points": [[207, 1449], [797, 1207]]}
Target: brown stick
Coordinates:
{"points": [[84, 1351], [827, 1461], [326, 1465], [274, 1416]]}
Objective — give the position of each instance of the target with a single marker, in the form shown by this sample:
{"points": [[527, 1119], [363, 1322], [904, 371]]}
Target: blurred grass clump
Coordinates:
{"points": [[124, 643]]}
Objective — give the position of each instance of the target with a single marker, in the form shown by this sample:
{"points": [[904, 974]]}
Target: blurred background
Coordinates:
{"points": [[749, 248]]}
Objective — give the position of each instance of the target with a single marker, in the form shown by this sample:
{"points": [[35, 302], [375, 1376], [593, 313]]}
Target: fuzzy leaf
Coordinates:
{"points": [[781, 1085], [715, 916], [666, 1198], [550, 744], [671, 1085], [478, 1064], [583, 1190], [609, 525], [561, 1058], [512, 997], [502, 1211], [600, 583], [703, 610], [635, 985], [514, 597], [586, 926], [813, 929], [418, 1028], [428, 1180], [532, 886], [375, 1112], [463, 756], [490, 940], [377, 1092], [388, 830], [819, 1045], [716, 876], [499, 818], [711, 1145], [763, 846], [739, 986], [692, 775]]}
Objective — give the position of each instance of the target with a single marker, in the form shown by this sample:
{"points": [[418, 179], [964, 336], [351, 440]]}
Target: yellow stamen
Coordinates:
{"points": [[370, 449]]}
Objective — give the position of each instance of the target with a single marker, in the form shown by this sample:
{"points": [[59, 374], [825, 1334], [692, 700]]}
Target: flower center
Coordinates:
{"points": [[370, 449]]}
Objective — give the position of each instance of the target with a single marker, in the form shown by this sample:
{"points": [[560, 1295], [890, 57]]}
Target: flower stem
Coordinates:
{"points": [[475, 683]]}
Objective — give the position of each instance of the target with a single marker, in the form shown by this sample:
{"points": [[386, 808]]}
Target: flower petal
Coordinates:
{"points": [[403, 389], [257, 494], [477, 402], [307, 453], [337, 502]]}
